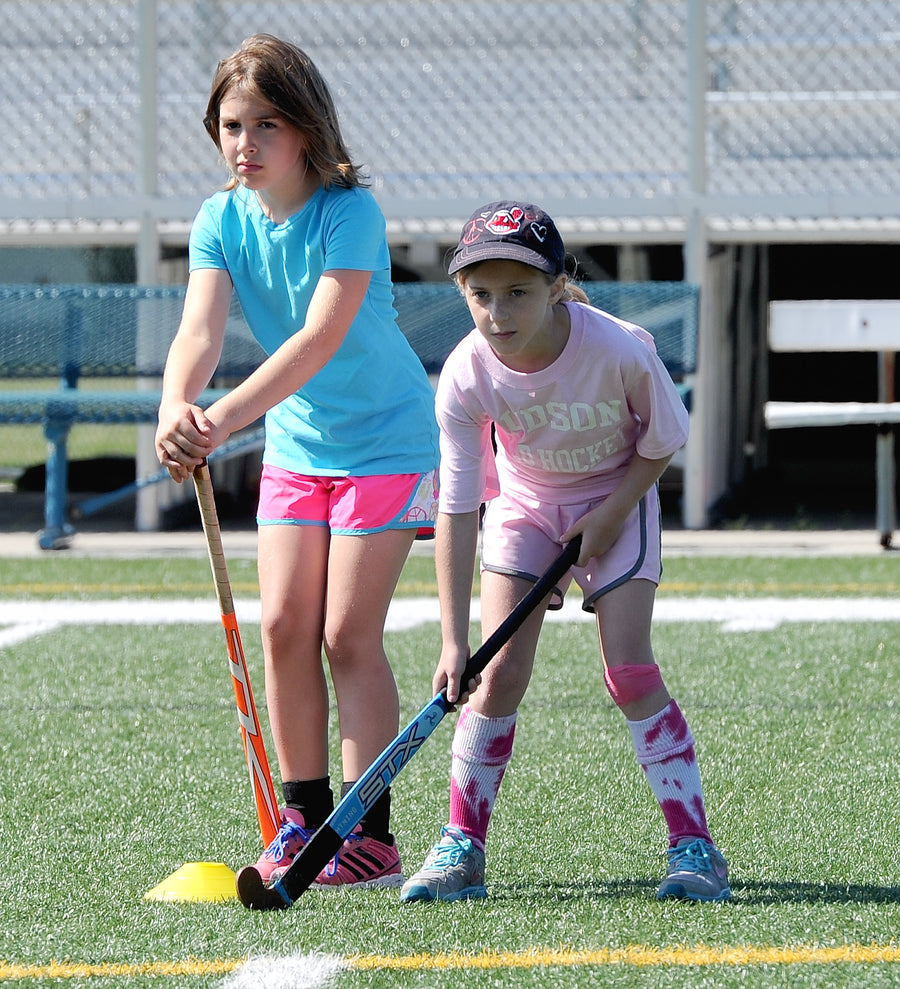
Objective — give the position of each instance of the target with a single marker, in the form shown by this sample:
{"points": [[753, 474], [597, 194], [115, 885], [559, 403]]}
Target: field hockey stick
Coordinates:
{"points": [[251, 735], [329, 838]]}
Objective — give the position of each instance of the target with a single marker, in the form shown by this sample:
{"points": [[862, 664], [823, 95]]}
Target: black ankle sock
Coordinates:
{"points": [[377, 820], [313, 798]]}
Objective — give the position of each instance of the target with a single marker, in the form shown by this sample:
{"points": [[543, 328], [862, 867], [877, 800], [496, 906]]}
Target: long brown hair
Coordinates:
{"points": [[284, 76]]}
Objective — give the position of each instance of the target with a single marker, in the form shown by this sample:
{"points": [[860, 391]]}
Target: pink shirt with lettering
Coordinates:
{"points": [[565, 434]]}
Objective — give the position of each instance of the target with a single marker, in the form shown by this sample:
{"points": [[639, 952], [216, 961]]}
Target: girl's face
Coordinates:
{"points": [[263, 151], [512, 305]]}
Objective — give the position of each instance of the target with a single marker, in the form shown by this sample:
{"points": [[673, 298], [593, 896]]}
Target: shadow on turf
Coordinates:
{"points": [[597, 889], [750, 893], [797, 892]]}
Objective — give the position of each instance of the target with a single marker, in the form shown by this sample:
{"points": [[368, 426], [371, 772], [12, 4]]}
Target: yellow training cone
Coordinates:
{"points": [[196, 882]]}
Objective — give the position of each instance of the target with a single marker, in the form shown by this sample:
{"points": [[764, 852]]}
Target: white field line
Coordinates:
{"points": [[298, 971], [21, 620]]}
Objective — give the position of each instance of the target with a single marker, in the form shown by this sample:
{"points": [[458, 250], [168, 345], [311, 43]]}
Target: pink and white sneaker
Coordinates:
{"points": [[363, 862], [292, 836]]}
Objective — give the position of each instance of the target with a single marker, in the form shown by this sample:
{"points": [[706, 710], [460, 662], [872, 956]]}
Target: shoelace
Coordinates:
{"points": [[332, 866], [693, 857], [288, 831], [447, 854]]}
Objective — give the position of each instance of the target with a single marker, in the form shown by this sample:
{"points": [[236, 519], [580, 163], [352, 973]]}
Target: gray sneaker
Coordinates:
{"points": [[452, 870], [697, 871]]}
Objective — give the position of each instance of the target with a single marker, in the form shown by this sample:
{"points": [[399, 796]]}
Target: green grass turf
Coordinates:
{"points": [[56, 575], [120, 761]]}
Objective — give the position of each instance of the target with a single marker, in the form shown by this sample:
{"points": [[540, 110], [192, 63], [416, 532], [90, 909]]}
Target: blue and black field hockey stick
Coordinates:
{"points": [[329, 838]]}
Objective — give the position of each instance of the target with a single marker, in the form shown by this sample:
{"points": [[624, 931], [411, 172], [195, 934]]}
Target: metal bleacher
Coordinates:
{"points": [[587, 110]]}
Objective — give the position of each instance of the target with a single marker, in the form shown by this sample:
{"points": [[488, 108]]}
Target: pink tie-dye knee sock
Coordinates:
{"points": [[665, 750], [481, 750]]}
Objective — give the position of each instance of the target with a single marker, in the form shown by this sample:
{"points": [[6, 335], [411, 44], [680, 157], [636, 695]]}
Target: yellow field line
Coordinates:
{"points": [[639, 956], [633, 955], [121, 589], [775, 588], [83, 970]]}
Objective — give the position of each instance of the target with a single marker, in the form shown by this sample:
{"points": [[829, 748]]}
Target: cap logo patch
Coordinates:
{"points": [[505, 222]]}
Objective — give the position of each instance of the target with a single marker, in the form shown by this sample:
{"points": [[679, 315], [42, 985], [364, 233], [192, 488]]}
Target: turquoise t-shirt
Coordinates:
{"points": [[370, 410]]}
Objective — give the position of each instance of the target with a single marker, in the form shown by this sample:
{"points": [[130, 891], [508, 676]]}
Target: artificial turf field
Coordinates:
{"points": [[121, 762]]}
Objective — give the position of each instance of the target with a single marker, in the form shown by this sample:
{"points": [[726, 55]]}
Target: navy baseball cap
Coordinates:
{"points": [[510, 231]]}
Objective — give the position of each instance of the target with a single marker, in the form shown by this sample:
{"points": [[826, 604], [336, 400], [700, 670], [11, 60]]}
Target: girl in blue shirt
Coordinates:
{"points": [[349, 468]]}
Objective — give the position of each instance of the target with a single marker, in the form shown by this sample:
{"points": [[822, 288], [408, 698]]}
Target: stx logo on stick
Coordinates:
{"points": [[397, 756]]}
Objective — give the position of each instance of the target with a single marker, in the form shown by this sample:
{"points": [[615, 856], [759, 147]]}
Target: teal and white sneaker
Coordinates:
{"points": [[697, 871], [452, 870]]}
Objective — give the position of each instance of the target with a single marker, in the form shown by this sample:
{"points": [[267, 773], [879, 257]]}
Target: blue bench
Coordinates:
{"points": [[72, 334]]}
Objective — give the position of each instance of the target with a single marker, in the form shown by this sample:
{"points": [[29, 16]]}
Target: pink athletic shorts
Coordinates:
{"points": [[521, 539], [349, 505]]}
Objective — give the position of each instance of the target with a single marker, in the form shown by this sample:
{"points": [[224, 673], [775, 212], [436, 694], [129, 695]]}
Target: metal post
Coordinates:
{"points": [[147, 511], [697, 471], [885, 470], [57, 531], [148, 73]]}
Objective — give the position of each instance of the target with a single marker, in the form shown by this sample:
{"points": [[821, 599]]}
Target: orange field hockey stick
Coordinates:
{"points": [[254, 748]]}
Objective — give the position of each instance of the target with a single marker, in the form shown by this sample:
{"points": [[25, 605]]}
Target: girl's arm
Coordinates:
{"points": [[186, 434], [334, 306], [456, 538], [601, 527], [182, 439]]}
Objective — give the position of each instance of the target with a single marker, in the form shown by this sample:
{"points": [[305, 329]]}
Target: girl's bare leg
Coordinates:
{"points": [[506, 677], [623, 621], [293, 561], [362, 576]]}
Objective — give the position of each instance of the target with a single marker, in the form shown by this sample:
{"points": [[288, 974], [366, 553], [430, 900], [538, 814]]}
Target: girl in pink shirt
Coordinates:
{"points": [[562, 418]]}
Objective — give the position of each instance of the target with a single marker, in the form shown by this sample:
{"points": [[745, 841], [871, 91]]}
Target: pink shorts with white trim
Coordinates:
{"points": [[349, 505], [521, 539]]}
